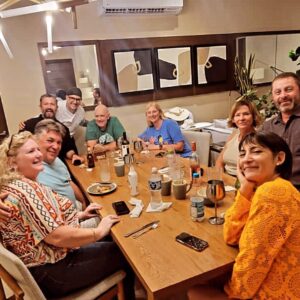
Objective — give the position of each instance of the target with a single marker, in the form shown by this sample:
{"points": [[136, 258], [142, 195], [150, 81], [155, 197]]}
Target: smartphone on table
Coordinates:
{"points": [[191, 241], [120, 208]]}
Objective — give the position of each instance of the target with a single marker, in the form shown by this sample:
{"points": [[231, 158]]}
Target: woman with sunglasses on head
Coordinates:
{"points": [[264, 221], [43, 228], [244, 117]]}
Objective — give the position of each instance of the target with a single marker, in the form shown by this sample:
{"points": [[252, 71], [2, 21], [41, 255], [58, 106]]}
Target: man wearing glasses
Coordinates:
{"points": [[70, 112], [48, 106]]}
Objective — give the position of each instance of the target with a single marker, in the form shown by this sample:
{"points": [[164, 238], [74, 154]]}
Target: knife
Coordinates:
{"points": [[141, 228]]}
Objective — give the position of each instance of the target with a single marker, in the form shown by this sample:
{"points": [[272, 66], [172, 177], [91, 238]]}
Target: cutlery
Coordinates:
{"points": [[141, 228], [153, 226]]}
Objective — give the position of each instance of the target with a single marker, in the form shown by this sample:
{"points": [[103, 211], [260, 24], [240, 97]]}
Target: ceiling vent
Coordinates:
{"points": [[142, 7]]}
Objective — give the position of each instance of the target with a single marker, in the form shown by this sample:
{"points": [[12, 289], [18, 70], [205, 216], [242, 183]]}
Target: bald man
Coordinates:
{"points": [[103, 132]]}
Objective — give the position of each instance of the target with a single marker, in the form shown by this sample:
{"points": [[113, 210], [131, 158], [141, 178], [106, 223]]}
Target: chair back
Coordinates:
{"points": [[203, 141], [17, 269], [16, 275]]}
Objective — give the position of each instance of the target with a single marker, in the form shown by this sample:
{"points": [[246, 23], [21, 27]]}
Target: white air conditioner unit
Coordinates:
{"points": [[142, 7]]}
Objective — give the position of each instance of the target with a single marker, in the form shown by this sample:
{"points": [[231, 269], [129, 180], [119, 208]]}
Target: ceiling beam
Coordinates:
{"points": [[8, 3], [36, 1]]}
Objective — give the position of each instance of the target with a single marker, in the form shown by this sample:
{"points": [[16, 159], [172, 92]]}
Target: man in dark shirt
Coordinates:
{"points": [[286, 97], [48, 105]]}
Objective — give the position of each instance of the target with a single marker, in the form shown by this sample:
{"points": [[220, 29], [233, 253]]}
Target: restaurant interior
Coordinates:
{"points": [[99, 46]]}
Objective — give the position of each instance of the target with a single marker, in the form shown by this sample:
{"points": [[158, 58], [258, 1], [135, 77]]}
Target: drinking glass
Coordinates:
{"points": [[104, 170], [215, 192], [138, 147]]}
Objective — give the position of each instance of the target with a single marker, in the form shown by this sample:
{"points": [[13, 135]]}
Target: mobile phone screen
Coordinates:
{"points": [[120, 208], [191, 241]]}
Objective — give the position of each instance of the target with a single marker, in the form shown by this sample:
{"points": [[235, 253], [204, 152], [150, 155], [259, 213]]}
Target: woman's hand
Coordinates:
{"points": [[152, 140], [105, 225], [89, 212], [247, 188]]}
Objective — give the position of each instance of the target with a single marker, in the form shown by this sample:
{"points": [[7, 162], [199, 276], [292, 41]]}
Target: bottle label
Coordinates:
{"points": [[125, 150], [154, 185]]}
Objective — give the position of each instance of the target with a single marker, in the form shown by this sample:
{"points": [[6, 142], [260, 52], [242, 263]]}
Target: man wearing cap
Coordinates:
{"points": [[70, 112]]}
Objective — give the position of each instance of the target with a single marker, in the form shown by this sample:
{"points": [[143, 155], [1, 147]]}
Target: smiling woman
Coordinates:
{"points": [[43, 229], [162, 133], [245, 117], [266, 213]]}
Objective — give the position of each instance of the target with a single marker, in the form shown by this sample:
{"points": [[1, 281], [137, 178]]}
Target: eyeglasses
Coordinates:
{"points": [[74, 98]]}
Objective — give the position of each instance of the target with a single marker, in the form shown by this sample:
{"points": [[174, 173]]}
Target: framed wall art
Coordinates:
{"points": [[211, 64], [174, 67], [134, 70]]}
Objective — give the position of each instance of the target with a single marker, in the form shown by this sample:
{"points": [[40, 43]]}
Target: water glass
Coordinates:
{"points": [[104, 170]]}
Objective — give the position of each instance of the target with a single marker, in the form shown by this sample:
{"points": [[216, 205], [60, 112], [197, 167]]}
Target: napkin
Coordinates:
{"points": [[162, 207], [229, 188], [136, 211]]}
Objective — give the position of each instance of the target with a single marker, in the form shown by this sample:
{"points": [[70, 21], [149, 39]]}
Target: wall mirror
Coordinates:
{"points": [[71, 64], [271, 54]]}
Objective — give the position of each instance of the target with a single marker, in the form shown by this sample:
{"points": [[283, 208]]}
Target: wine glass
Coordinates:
{"points": [[215, 192], [147, 143], [138, 147]]}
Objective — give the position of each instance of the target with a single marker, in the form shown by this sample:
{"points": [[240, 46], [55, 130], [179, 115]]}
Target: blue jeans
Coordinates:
{"points": [[83, 267]]}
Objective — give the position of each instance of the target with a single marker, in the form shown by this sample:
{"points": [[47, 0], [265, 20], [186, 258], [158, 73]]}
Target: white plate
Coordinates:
{"points": [[163, 170], [101, 188]]}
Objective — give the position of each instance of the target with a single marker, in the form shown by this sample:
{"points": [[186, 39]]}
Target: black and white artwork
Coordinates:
{"points": [[134, 70], [211, 64], [174, 67]]}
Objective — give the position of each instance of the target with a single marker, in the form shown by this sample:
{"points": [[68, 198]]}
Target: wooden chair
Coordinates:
{"points": [[18, 278], [203, 141]]}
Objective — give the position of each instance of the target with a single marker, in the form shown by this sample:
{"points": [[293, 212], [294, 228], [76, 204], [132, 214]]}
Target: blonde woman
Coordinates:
{"points": [[162, 133], [43, 229]]}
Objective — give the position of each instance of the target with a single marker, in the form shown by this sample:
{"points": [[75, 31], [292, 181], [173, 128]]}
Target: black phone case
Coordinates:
{"points": [[120, 208], [191, 241]]}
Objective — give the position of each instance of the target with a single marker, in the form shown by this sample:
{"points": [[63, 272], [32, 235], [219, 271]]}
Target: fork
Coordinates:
{"points": [[136, 235]]}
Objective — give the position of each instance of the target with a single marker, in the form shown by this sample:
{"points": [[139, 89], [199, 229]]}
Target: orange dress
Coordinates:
{"points": [[267, 230]]}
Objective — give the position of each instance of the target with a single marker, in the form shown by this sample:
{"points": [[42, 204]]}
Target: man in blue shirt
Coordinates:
{"points": [[55, 174]]}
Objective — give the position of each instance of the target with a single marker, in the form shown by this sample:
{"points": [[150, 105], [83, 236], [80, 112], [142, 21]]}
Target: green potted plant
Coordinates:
{"points": [[294, 55], [244, 81]]}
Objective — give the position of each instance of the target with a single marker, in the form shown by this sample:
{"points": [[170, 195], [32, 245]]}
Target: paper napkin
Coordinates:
{"points": [[164, 206], [136, 211]]}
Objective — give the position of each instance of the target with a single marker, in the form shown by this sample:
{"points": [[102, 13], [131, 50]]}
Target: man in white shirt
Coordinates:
{"points": [[70, 112]]}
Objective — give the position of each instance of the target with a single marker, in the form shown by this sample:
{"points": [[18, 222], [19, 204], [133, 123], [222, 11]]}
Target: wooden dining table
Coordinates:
{"points": [[164, 266]]}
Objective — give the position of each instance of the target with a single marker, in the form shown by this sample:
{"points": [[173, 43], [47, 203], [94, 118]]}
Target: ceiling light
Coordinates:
{"points": [[49, 33], [5, 45], [44, 52], [48, 6]]}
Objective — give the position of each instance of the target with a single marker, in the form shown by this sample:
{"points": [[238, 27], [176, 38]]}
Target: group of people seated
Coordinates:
{"points": [[45, 221]]}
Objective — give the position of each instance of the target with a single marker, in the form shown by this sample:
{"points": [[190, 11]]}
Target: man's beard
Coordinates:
{"points": [[49, 114]]}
